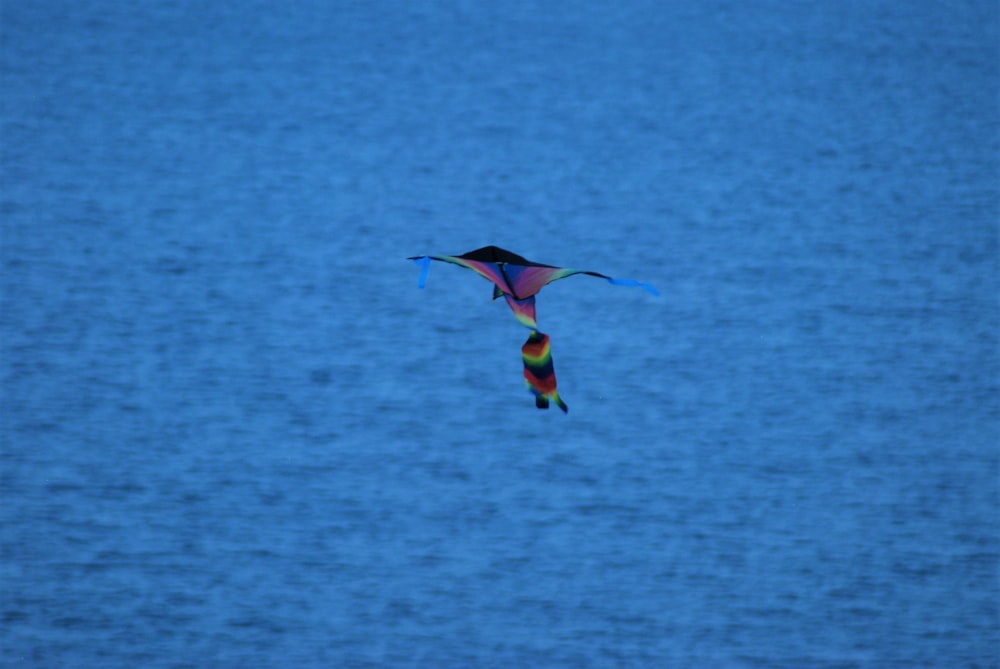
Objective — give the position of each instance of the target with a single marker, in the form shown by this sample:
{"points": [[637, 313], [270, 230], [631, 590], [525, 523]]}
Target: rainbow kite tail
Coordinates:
{"points": [[539, 374]]}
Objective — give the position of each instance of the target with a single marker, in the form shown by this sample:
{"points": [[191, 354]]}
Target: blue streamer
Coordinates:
{"points": [[425, 268], [633, 282]]}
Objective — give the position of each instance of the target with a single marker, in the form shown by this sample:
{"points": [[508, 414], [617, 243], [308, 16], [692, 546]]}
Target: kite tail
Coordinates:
{"points": [[425, 268], [539, 373], [632, 282]]}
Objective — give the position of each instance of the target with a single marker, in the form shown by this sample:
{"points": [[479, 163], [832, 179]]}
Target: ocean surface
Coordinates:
{"points": [[234, 433]]}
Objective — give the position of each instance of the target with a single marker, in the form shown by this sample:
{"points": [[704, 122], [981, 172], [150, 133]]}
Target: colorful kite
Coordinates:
{"points": [[518, 280]]}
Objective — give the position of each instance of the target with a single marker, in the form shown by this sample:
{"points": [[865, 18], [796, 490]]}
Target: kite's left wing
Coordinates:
{"points": [[489, 271]]}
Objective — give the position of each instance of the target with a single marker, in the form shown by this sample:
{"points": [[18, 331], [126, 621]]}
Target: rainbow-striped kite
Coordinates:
{"points": [[518, 280]]}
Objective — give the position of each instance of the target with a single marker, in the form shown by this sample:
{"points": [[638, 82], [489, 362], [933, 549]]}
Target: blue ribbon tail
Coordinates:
{"points": [[632, 282], [425, 267]]}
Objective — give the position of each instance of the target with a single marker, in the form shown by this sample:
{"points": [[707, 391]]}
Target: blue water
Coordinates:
{"points": [[236, 434]]}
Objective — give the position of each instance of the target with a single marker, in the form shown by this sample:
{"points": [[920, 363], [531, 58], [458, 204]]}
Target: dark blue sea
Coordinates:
{"points": [[235, 433]]}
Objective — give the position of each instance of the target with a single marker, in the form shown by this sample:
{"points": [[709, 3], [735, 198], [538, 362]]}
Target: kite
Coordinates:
{"points": [[518, 280]]}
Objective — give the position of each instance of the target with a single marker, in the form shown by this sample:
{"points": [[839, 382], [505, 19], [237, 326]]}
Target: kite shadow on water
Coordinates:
{"points": [[518, 280]]}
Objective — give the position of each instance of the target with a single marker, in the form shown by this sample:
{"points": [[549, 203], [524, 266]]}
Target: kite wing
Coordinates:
{"points": [[512, 274], [489, 271]]}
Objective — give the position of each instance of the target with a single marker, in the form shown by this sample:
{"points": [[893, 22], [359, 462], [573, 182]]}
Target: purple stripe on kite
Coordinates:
{"points": [[527, 281], [486, 270]]}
